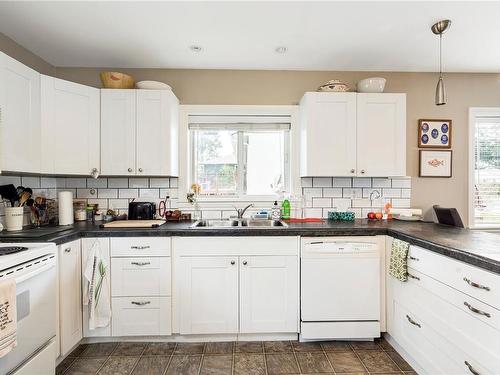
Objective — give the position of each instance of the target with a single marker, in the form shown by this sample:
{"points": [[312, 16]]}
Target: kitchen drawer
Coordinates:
{"points": [[142, 316], [140, 246], [144, 276], [469, 336], [421, 342], [477, 283]]}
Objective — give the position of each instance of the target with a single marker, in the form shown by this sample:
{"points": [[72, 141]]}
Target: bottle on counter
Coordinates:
{"points": [[285, 209], [275, 211]]}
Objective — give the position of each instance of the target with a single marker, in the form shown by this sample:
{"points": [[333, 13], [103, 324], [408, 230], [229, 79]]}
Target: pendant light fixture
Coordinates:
{"points": [[439, 28]]}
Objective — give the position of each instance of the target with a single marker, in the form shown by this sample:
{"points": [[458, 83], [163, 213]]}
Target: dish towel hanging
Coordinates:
{"points": [[96, 293], [8, 317], [398, 266]]}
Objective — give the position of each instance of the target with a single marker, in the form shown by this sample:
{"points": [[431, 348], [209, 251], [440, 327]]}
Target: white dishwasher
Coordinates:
{"points": [[340, 288]]}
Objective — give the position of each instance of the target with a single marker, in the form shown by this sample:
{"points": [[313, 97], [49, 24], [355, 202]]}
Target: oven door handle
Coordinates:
{"points": [[35, 272]]}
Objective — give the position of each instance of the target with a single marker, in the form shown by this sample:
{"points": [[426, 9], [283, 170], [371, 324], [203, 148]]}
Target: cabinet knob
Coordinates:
{"points": [[233, 262], [245, 262], [353, 170], [130, 169], [94, 173], [67, 250], [140, 169], [362, 171]]}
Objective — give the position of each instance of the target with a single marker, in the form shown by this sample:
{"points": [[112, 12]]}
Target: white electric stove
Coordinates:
{"points": [[33, 266]]}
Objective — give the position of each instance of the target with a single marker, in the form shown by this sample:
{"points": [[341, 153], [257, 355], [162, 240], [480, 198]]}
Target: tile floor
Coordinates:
{"points": [[220, 358]]}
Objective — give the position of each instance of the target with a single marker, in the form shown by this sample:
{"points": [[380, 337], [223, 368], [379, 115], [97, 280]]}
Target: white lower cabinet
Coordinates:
{"points": [[70, 297], [141, 286], [445, 330], [229, 285], [141, 316], [209, 295], [268, 294]]}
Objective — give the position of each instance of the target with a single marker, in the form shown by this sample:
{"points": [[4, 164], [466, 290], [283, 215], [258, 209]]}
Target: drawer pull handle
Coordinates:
{"points": [[477, 311], [140, 303], [413, 322], [412, 276], [413, 258], [67, 250], [140, 263], [476, 285], [471, 369], [139, 247]]}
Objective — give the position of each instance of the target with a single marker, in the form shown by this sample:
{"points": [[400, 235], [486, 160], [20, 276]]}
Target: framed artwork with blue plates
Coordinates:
{"points": [[434, 133]]}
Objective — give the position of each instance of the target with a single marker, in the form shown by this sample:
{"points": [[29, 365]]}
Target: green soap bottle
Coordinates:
{"points": [[285, 209]]}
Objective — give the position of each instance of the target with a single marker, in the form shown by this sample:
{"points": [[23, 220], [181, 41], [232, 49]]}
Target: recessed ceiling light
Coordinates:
{"points": [[281, 49], [196, 48]]}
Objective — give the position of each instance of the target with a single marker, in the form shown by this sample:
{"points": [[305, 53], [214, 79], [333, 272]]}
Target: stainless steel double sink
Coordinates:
{"points": [[239, 223]]}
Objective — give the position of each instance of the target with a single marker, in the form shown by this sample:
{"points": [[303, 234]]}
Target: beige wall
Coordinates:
{"points": [[21, 54], [287, 87]]}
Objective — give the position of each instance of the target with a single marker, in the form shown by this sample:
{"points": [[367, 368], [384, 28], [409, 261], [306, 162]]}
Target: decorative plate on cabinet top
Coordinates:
{"points": [[152, 85], [334, 85]]}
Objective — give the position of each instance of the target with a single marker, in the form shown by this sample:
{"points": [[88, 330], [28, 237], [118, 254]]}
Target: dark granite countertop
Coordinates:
{"points": [[478, 248]]}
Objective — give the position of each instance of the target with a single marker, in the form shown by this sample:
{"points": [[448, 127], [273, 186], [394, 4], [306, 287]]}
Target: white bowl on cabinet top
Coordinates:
{"points": [[373, 84]]}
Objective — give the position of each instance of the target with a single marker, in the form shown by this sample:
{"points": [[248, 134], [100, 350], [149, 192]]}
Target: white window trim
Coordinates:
{"points": [[475, 112], [185, 154]]}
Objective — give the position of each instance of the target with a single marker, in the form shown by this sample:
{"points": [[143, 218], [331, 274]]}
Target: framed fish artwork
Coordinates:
{"points": [[434, 133], [435, 163]]}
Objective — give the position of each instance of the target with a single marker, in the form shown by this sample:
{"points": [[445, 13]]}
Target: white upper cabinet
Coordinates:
{"points": [[118, 115], [381, 135], [139, 131], [19, 116], [353, 134], [328, 134], [70, 127], [157, 133]]}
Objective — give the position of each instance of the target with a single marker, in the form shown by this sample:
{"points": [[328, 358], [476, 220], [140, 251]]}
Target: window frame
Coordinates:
{"points": [[242, 164], [474, 114], [186, 161]]}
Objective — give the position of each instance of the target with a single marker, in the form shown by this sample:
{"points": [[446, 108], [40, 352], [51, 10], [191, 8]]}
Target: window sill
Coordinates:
{"points": [[485, 227], [246, 198]]}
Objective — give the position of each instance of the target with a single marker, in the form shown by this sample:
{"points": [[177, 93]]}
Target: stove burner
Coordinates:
{"points": [[6, 250]]}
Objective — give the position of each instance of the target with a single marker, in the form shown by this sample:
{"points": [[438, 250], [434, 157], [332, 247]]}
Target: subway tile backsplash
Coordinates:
{"points": [[320, 194]]}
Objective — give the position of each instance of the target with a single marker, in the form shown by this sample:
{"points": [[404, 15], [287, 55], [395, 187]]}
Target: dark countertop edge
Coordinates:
{"points": [[479, 261], [485, 263]]}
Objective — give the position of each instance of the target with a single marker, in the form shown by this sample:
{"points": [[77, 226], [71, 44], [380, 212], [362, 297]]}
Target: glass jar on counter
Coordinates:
{"points": [[80, 211]]}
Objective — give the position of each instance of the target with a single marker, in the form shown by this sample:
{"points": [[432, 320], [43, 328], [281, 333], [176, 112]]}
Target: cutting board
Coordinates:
{"points": [[133, 224]]}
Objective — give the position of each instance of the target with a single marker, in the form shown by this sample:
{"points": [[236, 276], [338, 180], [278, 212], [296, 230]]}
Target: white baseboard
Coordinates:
{"points": [[197, 338]]}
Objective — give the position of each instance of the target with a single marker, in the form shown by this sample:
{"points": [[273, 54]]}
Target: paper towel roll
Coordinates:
{"points": [[65, 203]]}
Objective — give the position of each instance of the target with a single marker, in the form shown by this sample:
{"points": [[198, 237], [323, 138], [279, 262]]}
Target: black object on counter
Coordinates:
{"points": [[448, 216], [141, 211]]}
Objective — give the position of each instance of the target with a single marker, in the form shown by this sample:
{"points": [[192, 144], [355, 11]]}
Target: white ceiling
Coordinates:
{"points": [[377, 36]]}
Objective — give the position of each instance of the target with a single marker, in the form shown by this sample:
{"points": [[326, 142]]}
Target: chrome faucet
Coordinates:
{"points": [[241, 211]]}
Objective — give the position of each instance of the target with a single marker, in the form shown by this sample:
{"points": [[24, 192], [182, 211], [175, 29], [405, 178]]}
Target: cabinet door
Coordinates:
{"points": [[87, 244], [328, 134], [19, 116], [118, 119], [269, 295], [381, 135], [157, 124], [70, 127], [70, 297], [208, 295]]}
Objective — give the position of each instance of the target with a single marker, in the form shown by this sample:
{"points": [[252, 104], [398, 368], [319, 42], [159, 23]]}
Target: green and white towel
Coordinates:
{"points": [[96, 288], [398, 266]]}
